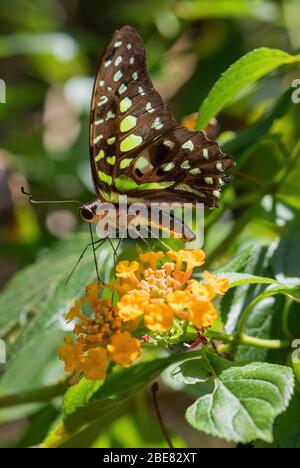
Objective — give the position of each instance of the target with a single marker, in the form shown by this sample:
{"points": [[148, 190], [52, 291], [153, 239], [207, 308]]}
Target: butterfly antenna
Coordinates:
{"points": [[94, 253], [32, 200]]}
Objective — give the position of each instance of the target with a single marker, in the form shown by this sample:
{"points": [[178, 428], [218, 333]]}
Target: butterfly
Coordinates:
{"points": [[136, 147]]}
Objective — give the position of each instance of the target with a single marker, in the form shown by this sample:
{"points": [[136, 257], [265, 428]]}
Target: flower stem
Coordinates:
{"points": [[243, 338], [263, 343], [44, 394], [154, 390]]}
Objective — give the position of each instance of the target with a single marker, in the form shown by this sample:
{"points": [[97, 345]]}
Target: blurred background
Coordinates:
{"points": [[49, 53]]}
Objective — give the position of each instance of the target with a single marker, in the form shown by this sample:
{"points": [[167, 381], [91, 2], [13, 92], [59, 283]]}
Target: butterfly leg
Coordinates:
{"points": [[94, 253], [116, 248], [98, 244]]}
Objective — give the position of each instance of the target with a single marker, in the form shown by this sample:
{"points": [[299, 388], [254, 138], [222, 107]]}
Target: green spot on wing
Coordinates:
{"points": [[168, 166], [128, 123], [187, 188], [100, 155], [143, 164], [125, 183], [105, 178], [111, 160], [125, 163], [130, 142], [155, 185]]}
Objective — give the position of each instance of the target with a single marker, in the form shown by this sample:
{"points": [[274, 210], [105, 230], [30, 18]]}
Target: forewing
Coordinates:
{"points": [[127, 113], [136, 147]]}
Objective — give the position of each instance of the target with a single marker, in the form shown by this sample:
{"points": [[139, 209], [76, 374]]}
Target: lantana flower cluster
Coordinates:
{"points": [[160, 289], [154, 293], [100, 337]]}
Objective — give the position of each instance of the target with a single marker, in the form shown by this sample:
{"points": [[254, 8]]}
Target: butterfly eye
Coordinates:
{"points": [[86, 213]]}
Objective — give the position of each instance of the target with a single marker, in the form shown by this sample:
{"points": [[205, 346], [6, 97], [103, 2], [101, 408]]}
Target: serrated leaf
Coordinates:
{"points": [[244, 402], [287, 428], [247, 70], [238, 262]]}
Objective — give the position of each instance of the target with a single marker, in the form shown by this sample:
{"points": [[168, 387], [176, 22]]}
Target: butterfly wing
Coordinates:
{"points": [[124, 107], [137, 148], [184, 166]]}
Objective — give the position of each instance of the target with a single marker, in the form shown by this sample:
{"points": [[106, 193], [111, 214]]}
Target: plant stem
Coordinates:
{"points": [[263, 343], [220, 335], [285, 318], [32, 396], [249, 309], [243, 338], [154, 390]]}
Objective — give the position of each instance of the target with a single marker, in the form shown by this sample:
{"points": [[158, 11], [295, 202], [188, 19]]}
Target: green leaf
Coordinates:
{"points": [[197, 9], [41, 306], [286, 257], [238, 262], [237, 299], [254, 307], [264, 322], [244, 401], [250, 135], [135, 426], [287, 428], [191, 372], [37, 281], [247, 70], [238, 279], [79, 395], [292, 292], [39, 424], [108, 400]]}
